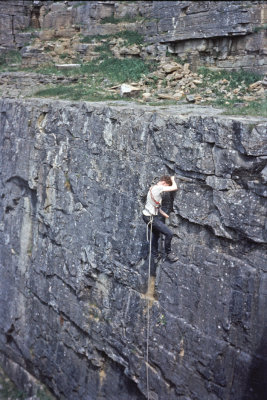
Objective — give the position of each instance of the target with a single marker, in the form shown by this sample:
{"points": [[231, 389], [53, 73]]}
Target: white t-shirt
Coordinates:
{"points": [[151, 208]]}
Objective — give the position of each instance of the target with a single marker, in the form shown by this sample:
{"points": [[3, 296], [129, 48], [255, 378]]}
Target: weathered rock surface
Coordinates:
{"points": [[23, 84], [73, 251], [14, 18], [226, 34], [10, 384]]}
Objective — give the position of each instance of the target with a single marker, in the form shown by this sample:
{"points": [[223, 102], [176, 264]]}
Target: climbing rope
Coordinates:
{"points": [[148, 316], [149, 227]]}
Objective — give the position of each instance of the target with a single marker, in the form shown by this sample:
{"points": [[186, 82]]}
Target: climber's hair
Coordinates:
{"points": [[167, 179]]}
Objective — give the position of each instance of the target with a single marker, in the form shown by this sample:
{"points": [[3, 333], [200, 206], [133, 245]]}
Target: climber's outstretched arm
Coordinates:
{"points": [[172, 187]]}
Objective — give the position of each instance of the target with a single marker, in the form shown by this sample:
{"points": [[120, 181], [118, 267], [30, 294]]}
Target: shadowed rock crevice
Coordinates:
{"points": [[25, 190]]}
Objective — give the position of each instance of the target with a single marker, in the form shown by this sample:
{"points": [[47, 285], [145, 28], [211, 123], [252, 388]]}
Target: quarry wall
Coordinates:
{"points": [[221, 34], [73, 248], [74, 285]]}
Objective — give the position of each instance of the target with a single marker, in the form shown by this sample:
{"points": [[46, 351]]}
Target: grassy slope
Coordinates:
{"points": [[97, 76]]}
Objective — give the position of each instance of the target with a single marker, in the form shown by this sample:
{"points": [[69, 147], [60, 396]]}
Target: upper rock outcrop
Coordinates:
{"points": [[224, 34]]}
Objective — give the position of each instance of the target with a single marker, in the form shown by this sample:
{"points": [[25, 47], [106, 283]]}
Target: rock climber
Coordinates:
{"points": [[151, 216]]}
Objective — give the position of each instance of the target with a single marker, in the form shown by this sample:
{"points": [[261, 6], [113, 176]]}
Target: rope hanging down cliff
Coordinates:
{"points": [[156, 226], [148, 316]]}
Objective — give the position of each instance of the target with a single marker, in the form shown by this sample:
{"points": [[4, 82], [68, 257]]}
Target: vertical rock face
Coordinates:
{"points": [[15, 17], [225, 34], [73, 251]]}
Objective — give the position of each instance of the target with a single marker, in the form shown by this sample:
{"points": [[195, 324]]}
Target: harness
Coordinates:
{"points": [[157, 204], [153, 198], [150, 222]]}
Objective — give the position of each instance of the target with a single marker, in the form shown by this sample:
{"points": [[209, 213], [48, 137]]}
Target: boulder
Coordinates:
{"points": [[127, 90], [264, 82], [255, 86], [146, 96], [133, 50], [178, 95], [191, 98], [67, 66], [169, 67]]}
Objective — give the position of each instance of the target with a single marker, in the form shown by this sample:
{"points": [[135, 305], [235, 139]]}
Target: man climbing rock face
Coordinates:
{"points": [[150, 216]]}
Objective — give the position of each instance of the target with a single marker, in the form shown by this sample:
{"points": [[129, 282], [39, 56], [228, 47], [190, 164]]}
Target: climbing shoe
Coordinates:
{"points": [[171, 257]]}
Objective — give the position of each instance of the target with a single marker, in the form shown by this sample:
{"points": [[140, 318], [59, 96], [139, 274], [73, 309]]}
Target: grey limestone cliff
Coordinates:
{"points": [[73, 251]]}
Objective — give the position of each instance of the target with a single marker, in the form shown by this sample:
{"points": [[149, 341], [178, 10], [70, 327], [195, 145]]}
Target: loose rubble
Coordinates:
{"points": [[175, 81], [172, 81]]}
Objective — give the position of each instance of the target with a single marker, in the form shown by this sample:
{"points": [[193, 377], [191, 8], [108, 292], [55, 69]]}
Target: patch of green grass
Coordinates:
{"points": [[153, 81], [126, 18], [81, 3], [255, 108], [88, 39], [10, 57], [95, 38], [9, 68], [80, 91], [260, 28], [30, 29], [118, 70], [235, 78], [96, 75], [50, 70], [63, 56], [104, 48], [130, 37]]}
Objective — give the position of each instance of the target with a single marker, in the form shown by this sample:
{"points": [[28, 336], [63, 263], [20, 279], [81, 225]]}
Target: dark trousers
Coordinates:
{"points": [[158, 227]]}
